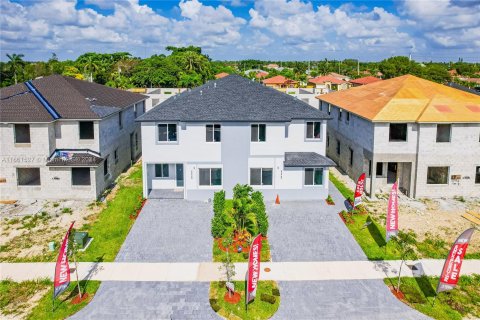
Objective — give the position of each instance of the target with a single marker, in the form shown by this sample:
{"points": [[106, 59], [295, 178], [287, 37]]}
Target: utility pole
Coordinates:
{"points": [[358, 67]]}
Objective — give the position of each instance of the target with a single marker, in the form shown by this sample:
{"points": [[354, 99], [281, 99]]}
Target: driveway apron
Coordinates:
{"points": [[165, 231]]}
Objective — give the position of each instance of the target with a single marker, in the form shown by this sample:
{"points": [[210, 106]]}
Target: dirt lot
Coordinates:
{"points": [[428, 218], [26, 227]]}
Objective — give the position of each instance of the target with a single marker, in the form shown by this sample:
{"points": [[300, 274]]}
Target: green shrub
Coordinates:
{"points": [[276, 292], [218, 226], [67, 210], [245, 254], [260, 212], [218, 202], [268, 298]]}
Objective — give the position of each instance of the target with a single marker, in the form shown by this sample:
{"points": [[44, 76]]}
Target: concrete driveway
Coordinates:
{"points": [[165, 231], [316, 233]]}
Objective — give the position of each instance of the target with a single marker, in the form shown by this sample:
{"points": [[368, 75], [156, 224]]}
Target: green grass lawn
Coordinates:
{"points": [[113, 223], [63, 307], [256, 310], [459, 303], [15, 296], [371, 238]]}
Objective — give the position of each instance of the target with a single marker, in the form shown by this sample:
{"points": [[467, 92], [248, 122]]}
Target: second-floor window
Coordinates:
{"points": [[444, 132], [22, 133], [120, 120], [258, 132], [167, 132], [213, 132], [398, 132], [313, 130], [86, 130], [261, 176]]}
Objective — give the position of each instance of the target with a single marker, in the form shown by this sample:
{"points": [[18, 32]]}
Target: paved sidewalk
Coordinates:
{"points": [[208, 271]]}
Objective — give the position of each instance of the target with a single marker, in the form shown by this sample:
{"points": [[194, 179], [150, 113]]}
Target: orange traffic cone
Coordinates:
{"points": [[277, 201]]}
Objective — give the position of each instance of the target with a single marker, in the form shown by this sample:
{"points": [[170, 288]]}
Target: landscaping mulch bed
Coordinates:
{"points": [[346, 218], [234, 247], [330, 203], [78, 300], [398, 294], [232, 298]]}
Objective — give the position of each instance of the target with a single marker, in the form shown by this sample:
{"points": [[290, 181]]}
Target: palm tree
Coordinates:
{"points": [[91, 66], [16, 63]]}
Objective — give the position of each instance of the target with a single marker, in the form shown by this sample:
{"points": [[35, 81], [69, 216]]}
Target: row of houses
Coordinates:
{"points": [[66, 138]]}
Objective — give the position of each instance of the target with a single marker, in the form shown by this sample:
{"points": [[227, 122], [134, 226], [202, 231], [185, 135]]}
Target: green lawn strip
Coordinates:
{"points": [[372, 238], [113, 223], [220, 256], [344, 190], [461, 302], [256, 310], [14, 296], [63, 307]]}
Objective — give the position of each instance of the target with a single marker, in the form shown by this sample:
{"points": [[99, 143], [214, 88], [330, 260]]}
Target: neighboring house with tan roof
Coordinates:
{"points": [[363, 81], [326, 84], [63, 138], [423, 133], [279, 82], [221, 75]]}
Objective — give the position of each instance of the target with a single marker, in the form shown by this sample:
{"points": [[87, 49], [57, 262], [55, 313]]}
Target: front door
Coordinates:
{"points": [[179, 174], [392, 172]]}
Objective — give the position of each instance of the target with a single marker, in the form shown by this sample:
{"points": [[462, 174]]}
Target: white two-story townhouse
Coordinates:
{"points": [[424, 134], [63, 138], [233, 130]]}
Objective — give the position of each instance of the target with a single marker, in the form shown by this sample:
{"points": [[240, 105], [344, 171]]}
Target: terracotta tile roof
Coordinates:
{"points": [[323, 79], [221, 75], [261, 75], [278, 80], [365, 80], [407, 99], [69, 97]]}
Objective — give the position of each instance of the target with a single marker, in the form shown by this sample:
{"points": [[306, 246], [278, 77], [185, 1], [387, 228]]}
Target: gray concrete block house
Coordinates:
{"points": [[63, 138], [233, 130], [424, 134]]}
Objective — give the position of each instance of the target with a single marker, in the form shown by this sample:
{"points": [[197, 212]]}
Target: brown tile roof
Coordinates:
{"points": [[407, 99], [71, 99], [365, 80]]}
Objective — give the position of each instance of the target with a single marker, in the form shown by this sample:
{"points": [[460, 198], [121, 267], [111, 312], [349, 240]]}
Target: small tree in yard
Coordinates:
{"points": [[405, 241], [227, 266], [72, 251], [218, 223]]}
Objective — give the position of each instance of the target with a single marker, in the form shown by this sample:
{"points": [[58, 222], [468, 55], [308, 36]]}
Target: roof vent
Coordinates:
{"points": [[91, 99], [201, 92], [214, 85]]}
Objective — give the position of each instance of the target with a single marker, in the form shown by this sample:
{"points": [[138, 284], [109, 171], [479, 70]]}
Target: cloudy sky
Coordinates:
{"points": [[439, 30]]}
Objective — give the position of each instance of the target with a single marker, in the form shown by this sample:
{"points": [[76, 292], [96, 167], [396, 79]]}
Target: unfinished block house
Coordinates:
{"points": [[425, 134], [63, 138]]}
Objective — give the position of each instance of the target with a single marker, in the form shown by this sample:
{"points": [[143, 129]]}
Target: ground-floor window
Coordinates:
{"points": [[477, 175], [313, 176], [81, 176], [28, 176], [261, 176], [210, 176], [161, 170], [437, 175], [379, 169]]}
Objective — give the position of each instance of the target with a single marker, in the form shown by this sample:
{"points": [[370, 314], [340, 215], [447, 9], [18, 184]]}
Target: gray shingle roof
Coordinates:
{"points": [[71, 99], [75, 158], [307, 159], [233, 98]]}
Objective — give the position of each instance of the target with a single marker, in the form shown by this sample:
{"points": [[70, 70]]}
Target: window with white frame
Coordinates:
{"points": [[213, 132], [167, 132], [261, 176], [161, 170], [313, 176], [258, 132], [313, 130], [210, 176]]}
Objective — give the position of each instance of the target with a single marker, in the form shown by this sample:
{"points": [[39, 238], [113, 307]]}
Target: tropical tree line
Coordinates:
{"points": [[189, 67]]}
